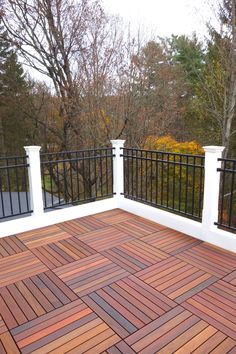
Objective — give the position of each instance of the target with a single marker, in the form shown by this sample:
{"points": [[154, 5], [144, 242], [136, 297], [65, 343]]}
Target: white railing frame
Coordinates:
{"points": [[205, 230]]}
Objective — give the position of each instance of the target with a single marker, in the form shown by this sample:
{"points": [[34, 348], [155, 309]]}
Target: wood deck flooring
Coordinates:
{"points": [[115, 283]]}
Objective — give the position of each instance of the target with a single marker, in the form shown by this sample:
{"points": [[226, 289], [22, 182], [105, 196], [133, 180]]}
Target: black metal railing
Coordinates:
{"points": [[14, 190], [74, 177], [165, 180], [227, 202]]}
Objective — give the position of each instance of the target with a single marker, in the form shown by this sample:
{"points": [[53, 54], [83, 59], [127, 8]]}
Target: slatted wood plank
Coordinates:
{"points": [[18, 267], [210, 259], [104, 239], [177, 331], [73, 328], [7, 344], [10, 246], [171, 241], [82, 225], [3, 327], [43, 236], [120, 348], [114, 216], [231, 278], [176, 279], [90, 274], [57, 254], [128, 304], [135, 255], [27, 299], [138, 227], [217, 306]]}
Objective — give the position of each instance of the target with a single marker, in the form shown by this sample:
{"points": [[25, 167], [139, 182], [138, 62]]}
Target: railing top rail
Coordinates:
{"points": [[227, 160], [13, 157], [164, 152], [77, 159], [75, 151]]}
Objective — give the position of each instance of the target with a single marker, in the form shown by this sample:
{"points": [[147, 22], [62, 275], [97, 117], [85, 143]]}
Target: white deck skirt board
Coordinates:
{"points": [[32, 222], [215, 236]]}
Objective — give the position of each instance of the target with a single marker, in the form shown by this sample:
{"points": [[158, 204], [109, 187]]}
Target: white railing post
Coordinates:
{"points": [[118, 169], [35, 184], [211, 188]]}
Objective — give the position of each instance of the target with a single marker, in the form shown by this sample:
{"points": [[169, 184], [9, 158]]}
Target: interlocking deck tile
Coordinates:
{"points": [[3, 327], [104, 239], [170, 241], [7, 344], [135, 255], [73, 328], [231, 278], [139, 227], [90, 274], [128, 305], [19, 266], [177, 331], [32, 297], [43, 236], [176, 279], [114, 216], [10, 246], [217, 306], [63, 252], [120, 348], [82, 225], [210, 259]]}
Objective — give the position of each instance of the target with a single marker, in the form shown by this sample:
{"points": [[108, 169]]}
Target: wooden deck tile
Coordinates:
{"points": [[3, 327], [10, 246], [210, 259], [104, 239], [115, 283], [120, 348], [217, 306], [90, 274], [81, 225], [128, 304], [139, 227], [19, 266], [178, 331], [57, 254], [43, 236], [135, 255], [170, 241], [176, 279], [114, 216], [33, 297], [231, 278], [72, 329], [7, 344]]}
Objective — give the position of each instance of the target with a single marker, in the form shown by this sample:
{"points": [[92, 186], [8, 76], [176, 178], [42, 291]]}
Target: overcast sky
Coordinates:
{"points": [[164, 17]]}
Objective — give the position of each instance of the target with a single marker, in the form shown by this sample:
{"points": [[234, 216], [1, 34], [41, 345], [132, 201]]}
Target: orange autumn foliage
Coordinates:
{"points": [[169, 144]]}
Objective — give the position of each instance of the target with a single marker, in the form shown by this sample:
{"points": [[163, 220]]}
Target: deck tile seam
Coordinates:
{"points": [[207, 321], [46, 312], [199, 295], [109, 315], [199, 254], [161, 291], [9, 332], [105, 290], [36, 248]]}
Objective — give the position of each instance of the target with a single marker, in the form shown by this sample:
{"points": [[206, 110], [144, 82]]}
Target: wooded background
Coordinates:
{"points": [[171, 94]]}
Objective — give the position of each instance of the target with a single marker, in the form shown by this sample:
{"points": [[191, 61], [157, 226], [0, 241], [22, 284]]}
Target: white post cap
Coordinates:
{"points": [[32, 148], [214, 149], [117, 142]]}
